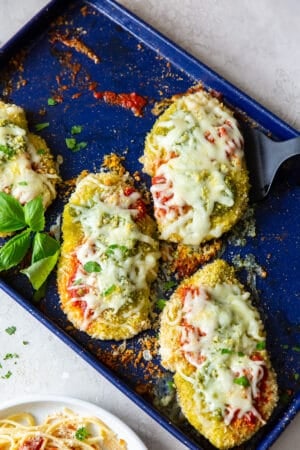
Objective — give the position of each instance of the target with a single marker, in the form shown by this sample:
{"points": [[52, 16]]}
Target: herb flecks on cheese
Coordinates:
{"points": [[193, 152], [220, 331], [212, 337], [115, 258]]}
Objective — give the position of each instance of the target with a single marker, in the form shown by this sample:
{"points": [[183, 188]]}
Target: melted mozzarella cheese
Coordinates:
{"points": [[201, 141], [126, 257], [219, 333], [17, 174], [199, 123]]}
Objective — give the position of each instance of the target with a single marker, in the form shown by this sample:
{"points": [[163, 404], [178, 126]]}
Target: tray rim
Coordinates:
{"points": [[185, 61]]}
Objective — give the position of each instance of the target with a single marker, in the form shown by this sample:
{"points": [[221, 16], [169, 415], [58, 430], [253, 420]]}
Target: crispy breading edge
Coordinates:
{"points": [[72, 237], [216, 431]]}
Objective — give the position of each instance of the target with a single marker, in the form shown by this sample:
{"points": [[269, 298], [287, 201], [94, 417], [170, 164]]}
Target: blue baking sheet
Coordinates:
{"points": [[36, 65]]}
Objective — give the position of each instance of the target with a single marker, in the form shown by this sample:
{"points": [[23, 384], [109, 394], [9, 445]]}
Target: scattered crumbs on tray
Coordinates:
{"points": [[183, 260], [15, 66], [250, 264], [122, 356], [114, 162], [75, 43], [245, 228]]}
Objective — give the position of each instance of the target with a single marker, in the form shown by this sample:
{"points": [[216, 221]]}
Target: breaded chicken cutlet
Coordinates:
{"points": [[109, 257], [212, 337], [194, 154]]}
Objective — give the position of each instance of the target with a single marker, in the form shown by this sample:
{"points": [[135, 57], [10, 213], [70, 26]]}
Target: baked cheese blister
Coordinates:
{"points": [[194, 154], [109, 257], [27, 168], [212, 337]]}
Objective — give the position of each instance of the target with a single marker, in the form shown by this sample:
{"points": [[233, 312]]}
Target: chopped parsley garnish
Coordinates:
{"points": [[10, 356], [41, 126], [80, 146], [51, 102], [7, 375], [41, 151], [92, 266], [161, 303], [75, 146], [242, 381], [168, 285], [110, 290], [285, 346], [77, 282], [11, 330], [241, 354], [296, 376], [261, 345], [296, 348], [81, 434], [71, 143], [171, 385], [8, 151], [25, 342], [227, 351], [76, 129], [112, 247], [23, 183]]}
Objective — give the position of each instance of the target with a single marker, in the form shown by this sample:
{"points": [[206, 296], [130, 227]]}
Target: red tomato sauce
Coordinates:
{"points": [[139, 204], [34, 443], [132, 101]]}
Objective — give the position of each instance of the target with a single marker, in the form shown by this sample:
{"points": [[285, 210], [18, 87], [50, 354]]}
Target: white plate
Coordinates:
{"points": [[41, 406]]}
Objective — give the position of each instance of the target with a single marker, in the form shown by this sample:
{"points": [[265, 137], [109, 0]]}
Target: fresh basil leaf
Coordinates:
{"points": [[11, 214], [14, 250], [39, 271], [43, 246], [34, 214]]}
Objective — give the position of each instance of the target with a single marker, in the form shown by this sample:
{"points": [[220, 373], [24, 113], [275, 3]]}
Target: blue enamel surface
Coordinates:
{"points": [[136, 58]]}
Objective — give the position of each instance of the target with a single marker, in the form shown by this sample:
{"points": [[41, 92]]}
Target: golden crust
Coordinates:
{"points": [[221, 435], [15, 114], [47, 163], [127, 322], [236, 176], [210, 275]]}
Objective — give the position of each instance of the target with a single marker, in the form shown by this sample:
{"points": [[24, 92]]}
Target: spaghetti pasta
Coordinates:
{"points": [[64, 430]]}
